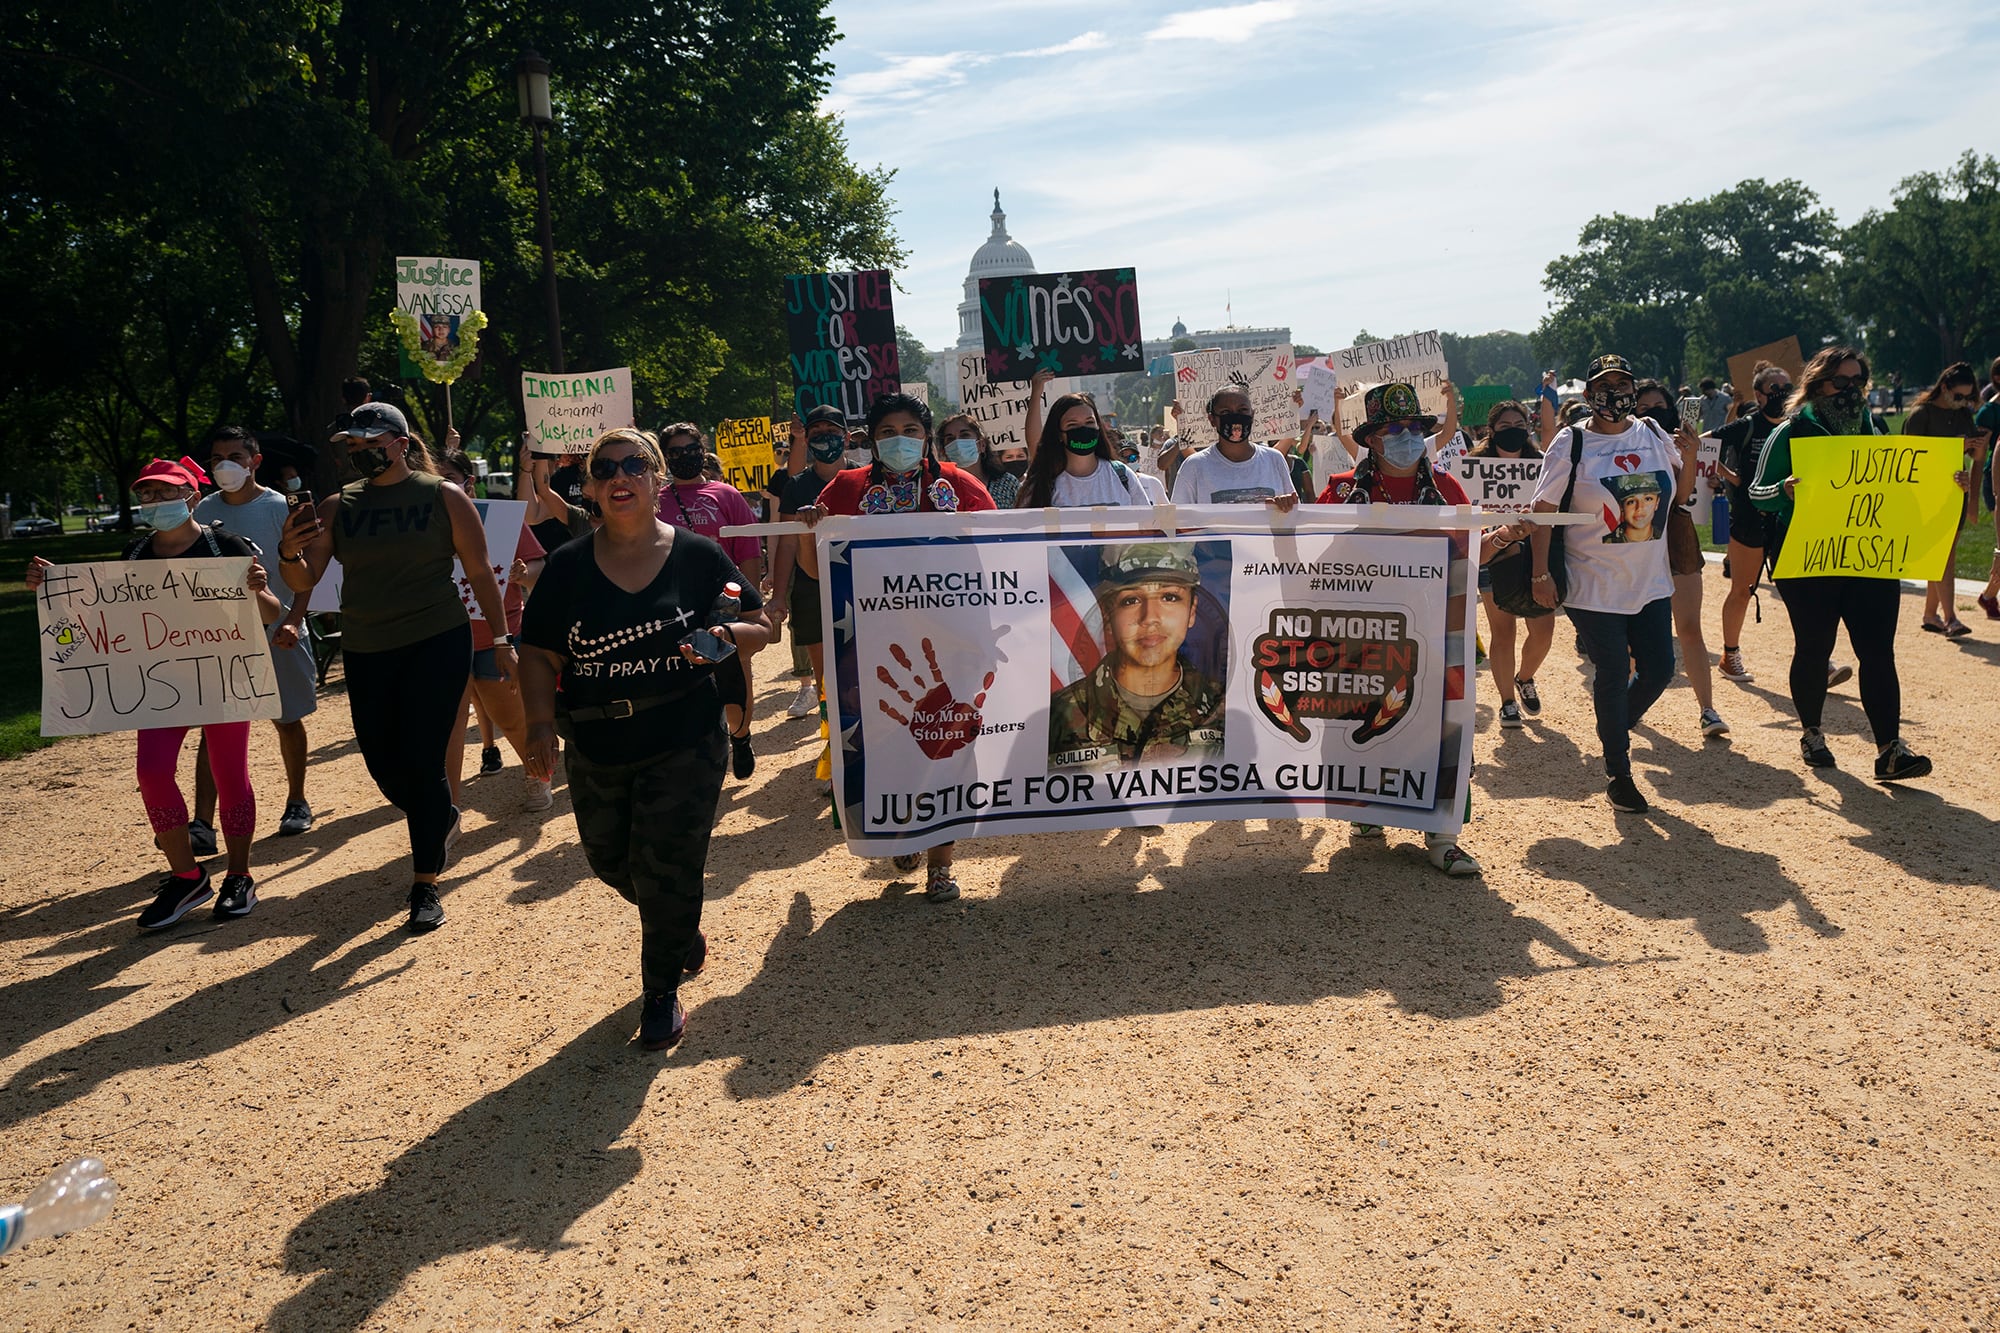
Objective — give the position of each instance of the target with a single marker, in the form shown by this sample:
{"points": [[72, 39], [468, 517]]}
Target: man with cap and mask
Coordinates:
{"points": [[1620, 588], [1144, 701]]}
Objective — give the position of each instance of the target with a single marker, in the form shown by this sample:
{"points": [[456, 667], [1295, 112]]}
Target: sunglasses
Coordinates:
{"points": [[1771, 390], [1848, 381], [685, 451], [632, 465]]}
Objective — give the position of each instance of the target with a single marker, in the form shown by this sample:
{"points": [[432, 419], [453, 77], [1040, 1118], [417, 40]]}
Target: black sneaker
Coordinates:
{"points": [[661, 1020], [298, 817], [176, 898], [1812, 746], [426, 912], [1898, 762], [451, 836], [489, 760], [697, 957], [1625, 795], [238, 896], [1510, 714], [1531, 700], [742, 760], [201, 837]]}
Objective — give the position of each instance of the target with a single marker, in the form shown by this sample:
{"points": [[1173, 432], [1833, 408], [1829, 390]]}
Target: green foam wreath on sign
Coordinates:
{"points": [[434, 370]]}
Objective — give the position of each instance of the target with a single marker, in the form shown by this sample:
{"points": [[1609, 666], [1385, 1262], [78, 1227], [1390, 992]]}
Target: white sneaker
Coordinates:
{"points": [[538, 796], [806, 702], [1732, 668], [1448, 856], [1838, 673]]}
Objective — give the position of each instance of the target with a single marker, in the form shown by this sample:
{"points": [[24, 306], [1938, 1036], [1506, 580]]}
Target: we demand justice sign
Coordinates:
{"points": [[989, 676]]}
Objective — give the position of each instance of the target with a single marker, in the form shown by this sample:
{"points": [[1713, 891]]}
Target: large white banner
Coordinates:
{"points": [[1265, 373], [1001, 408], [567, 412], [995, 677], [502, 519], [129, 645], [1416, 359]]}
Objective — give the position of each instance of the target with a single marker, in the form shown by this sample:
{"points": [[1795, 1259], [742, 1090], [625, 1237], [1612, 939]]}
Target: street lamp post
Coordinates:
{"points": [[531, 81]]}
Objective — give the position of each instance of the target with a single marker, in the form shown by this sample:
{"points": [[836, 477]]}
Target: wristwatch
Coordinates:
{"points": [[503, 640]]}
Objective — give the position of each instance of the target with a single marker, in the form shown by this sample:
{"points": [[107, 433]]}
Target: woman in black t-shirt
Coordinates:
{"points": [[613, 621]]}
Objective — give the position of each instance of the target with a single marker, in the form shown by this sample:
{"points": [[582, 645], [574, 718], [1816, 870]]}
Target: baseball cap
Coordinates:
{"points": [[187, 472], [1149, 562], [1610, 364], [372, 419], [825, 412]]}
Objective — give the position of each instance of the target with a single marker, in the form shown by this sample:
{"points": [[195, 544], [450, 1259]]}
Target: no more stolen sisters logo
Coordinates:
{"points": [[1319, 665]]}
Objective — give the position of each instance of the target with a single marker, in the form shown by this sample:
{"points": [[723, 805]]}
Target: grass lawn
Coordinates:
{"points": [[20, 665]]}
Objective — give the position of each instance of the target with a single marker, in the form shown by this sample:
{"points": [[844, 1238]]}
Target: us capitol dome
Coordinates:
{"points": [[1001, 257]]}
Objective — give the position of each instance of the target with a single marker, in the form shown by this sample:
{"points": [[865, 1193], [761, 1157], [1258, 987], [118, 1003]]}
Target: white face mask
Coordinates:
{"points": [[860, 457], [229, 475]]}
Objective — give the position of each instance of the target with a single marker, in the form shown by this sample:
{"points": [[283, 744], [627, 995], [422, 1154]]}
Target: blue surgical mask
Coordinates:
{"points": [[163, 517], [964, 452], [1402, 448], [900, 453]]}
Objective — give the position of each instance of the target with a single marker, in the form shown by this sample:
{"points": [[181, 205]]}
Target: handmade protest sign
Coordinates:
{"points": [[1872, 507], [567, 412], [129, 645], [1504, 485], [1316, 391], [744, 446], [1082, 323], [994, 676], [842, 331], [1001, 409], [1783, 353], [1477, 400], [1266, 376], [1416, 359], [434, 300], [920, 390], [1707, 458], [501, 520]]}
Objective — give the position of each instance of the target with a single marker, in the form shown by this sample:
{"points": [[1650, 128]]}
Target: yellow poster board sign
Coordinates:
{"points": [[1872, 507], [744, 446]]}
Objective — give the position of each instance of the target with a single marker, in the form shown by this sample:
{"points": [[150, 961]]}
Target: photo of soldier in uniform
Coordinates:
{"points": [[1154, 692], [1641, 516]]}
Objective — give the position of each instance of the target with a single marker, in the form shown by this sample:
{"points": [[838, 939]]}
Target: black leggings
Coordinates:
{"points": [[404, 702], [1818, 608]]}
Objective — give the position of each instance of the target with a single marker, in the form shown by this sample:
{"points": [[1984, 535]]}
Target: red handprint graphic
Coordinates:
{"points": [[939, 723]]}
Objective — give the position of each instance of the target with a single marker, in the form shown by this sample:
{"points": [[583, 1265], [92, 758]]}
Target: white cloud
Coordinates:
{"points": [[1226, 23], [1089, 41], [905, 79]]}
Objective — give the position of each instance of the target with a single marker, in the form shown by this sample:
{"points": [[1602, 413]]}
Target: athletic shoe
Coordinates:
{"points": [[742, 759], [908, 861], [1712, 723], [451, 835], [661, 1020], [238, 896], [538, 795], [805, 702], [426, 912], [1732, 667], [697, 957], [939, 886], [1510, 714], [1531, 699], [298, 817], [1899, 763], [1448, 856], [176, 898], [1626, 796], [201, 837], [1838, 673], [489, 760], [1812, 747], [1364, 831]]}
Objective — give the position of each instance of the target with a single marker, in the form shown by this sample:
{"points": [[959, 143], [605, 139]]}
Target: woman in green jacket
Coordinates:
{"points": [[1831, 399]]}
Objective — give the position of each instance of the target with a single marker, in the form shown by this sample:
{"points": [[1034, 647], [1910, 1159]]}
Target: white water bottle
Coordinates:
{"points": [[72, 1198]]}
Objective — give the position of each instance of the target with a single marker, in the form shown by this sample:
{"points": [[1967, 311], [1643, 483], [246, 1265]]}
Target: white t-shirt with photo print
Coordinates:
{"points": [[1619, 564]]}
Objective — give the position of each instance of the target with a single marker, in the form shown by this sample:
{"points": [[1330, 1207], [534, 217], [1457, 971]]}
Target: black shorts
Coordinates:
{"points": [[804, 607], [1746, 521]]}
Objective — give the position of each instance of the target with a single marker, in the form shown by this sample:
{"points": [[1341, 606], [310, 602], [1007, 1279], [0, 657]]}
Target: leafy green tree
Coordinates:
{"points": [[1492, 358], [1925, 275], [1678, 291], [916, 362]]}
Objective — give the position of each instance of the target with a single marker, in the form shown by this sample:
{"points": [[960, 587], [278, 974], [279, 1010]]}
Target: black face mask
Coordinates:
{"points": [[686, 466], [1233, 427], [370, 462], [1774, 406], [1511, 439], [1666, 418], [1081, 439], [1017, 467], [826, 448], [1846, 401]]}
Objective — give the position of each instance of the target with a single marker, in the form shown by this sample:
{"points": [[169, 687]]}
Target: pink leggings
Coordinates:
{"points": [[228, 759]]}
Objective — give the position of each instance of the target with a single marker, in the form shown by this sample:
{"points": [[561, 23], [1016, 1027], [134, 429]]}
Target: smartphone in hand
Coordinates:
{"points": [[709, 646]]}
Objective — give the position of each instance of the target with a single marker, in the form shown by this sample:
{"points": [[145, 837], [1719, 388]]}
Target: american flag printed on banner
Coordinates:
{"points": [[1076, 642]]}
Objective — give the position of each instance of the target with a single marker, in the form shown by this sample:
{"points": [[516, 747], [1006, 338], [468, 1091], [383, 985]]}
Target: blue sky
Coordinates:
{"points": [[1334, 165]]}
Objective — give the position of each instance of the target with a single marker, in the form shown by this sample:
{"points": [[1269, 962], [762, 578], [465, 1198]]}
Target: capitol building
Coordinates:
{"points": [[1001, 256]]}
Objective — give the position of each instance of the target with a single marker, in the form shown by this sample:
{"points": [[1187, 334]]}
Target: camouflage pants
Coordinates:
{"points": [[645, 828]]}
